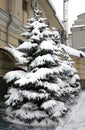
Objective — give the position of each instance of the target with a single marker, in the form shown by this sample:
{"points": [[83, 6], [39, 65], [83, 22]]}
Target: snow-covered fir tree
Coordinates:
{"points": [[39, 92]]}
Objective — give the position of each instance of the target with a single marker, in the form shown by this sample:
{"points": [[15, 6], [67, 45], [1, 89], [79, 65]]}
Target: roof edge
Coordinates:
{"points": [[54, 11]]}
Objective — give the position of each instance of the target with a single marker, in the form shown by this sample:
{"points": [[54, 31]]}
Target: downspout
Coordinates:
{"points": [[10, 19]]}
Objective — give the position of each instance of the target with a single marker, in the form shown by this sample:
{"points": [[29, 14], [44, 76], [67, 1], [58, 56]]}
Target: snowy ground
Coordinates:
{"points": [[76, 117]]}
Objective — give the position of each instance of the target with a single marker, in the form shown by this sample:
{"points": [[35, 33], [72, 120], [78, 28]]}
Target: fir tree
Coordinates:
{"points": [[39, 92]]}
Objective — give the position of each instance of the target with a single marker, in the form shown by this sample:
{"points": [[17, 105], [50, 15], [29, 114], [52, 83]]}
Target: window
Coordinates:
{"points": [[24, 5]]}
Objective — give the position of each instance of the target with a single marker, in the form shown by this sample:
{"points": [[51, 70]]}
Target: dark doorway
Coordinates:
{"points": [[3, 88]]}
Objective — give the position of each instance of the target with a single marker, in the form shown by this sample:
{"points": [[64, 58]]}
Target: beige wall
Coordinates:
{"points": [[4, 4], [80, 66], [13, 37], [19, 15], [18, 9], [10, 33]]}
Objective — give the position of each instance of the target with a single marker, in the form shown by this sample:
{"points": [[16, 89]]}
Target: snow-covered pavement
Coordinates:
{"points": [[76, 118]]}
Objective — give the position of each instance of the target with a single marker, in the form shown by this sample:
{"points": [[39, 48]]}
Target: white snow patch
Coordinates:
{"points": [[51, 86], [27, 45], [74, 79], [12, 75], [48, 45], [25, 34], [72, 51], [19, 56], [59, 109], [38, 25], [14, 97], [34, 77], [33, 95], [49, 104], [75, 120], [40, 60], [47, 32], [77, 26]]}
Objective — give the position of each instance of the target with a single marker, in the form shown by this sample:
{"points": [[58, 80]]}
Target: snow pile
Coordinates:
{"points": [[40, 93]]}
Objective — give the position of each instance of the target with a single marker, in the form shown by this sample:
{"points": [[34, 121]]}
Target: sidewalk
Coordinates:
{"points": [[76, 118]]}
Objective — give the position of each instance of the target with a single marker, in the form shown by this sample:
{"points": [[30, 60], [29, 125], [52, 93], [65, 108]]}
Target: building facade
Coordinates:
{"points": [[77, 41], [14, 15], [13, 18], [78, 33]]}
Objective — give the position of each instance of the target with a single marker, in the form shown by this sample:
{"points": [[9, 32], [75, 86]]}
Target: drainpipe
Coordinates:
{"points": [[10, 19]]}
